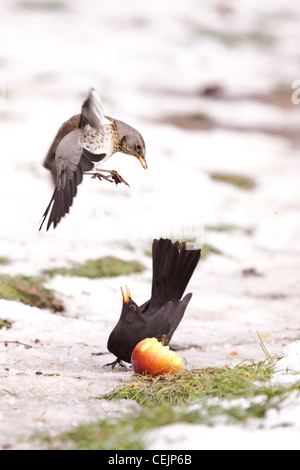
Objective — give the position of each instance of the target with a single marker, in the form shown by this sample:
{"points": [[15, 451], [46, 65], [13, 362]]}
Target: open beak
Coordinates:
{"points": [[143, 162], [126, 296]]}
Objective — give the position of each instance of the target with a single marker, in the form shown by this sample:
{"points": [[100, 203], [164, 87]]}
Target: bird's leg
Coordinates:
{"points": [[112, 176], [114, 363]]}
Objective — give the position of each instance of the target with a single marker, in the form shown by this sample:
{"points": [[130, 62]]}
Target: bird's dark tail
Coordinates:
{"points": [[173, 266]]}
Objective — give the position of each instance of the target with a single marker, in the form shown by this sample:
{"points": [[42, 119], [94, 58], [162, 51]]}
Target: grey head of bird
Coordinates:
{"points": [[131, 142]]}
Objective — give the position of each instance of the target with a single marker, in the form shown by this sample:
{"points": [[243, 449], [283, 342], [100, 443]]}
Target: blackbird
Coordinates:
{"points": [[173, 266], [82, 142]]}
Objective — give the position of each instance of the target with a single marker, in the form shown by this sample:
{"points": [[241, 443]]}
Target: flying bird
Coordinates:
{"points": [[173, 265], [81, 142]]}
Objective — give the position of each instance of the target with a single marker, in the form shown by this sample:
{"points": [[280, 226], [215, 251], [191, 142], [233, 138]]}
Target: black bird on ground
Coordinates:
{"points": [[81, 142], [173, 266]]}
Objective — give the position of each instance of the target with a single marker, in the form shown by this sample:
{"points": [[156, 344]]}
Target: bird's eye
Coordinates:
{"points": [[138, 147], [132, 306]]}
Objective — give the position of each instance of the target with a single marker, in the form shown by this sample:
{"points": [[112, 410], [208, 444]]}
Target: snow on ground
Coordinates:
{"points": [[149, 62]]}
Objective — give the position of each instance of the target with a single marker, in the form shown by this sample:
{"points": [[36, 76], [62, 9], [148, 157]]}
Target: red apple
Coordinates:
{"points": [[150, 357]]}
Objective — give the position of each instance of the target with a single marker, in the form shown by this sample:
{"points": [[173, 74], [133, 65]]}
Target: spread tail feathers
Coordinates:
{"points": [[173, 266]]}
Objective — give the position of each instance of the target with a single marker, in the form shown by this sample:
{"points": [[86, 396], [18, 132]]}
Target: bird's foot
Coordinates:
{"points": [[116, 362], [112, 176]]}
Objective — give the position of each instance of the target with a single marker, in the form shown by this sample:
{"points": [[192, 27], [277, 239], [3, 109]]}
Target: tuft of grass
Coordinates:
{"points": [[127, 432], [106, 435], [196, 121], [189, 385], [231, 39], [108, 266], [229, 228], [240, 181], [5, 323], [46, 6], [264, 348], [207, 250], [30, 291], [4, 260]]}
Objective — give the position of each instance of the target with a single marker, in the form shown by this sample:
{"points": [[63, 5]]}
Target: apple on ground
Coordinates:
{"points": [[151, 357]]}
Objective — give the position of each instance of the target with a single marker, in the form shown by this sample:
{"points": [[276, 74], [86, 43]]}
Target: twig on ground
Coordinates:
{"points": [[17, 342]]}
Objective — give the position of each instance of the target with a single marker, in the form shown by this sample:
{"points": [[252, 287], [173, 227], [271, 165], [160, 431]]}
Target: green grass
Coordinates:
{"points": [[108, 266], [199, 396], [189, 385], [240, 181], [43, 6], [126, 432], [30, 291], [208, 249], [229, 228], [233, 39], [5, 323]]}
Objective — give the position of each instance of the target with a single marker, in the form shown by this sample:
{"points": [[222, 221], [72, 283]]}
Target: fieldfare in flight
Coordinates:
{"points": [[83, 141]]}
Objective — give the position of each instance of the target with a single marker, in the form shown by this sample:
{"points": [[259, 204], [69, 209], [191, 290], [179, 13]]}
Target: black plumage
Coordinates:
{"points": [[173, 266]]}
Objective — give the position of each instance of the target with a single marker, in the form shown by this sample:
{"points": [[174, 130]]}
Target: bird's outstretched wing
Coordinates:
{"points": [[92, 111], [72, 161], [67, 127]]}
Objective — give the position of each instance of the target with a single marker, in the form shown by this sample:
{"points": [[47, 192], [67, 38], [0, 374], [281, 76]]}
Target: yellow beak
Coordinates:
{"points": [[143, 162], [126, 295]]}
